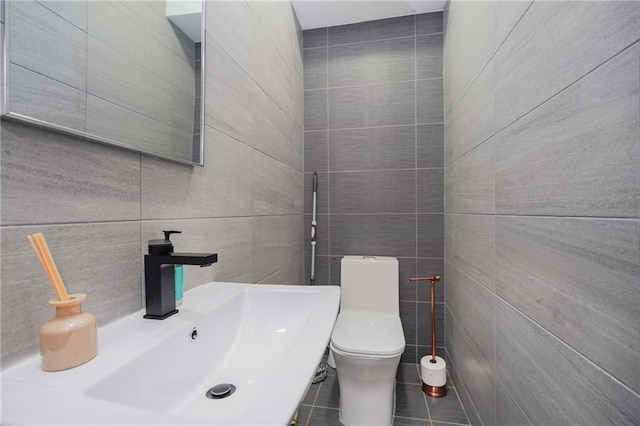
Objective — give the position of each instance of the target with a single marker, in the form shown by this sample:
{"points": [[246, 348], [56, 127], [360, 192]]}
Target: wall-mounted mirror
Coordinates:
{"points": [[123, 72]]}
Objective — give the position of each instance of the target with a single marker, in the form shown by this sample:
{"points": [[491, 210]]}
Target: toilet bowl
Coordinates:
{"points": [[367, 340]]}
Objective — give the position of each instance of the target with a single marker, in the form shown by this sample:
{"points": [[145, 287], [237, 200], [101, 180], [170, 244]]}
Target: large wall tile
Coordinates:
{"points": [[101, 260], [373, 192], [528, 71], [45, 43], [229, 100], [471, 36], [316, 151], [408, 291], [429, 56], [558, 160], [372, 148], [429, 95], [230, 238], [277, 243], [430, 145], [272, 128], [472, 306], [472, 181], [430, 191], [381, 61], [530, 361], [387, 105], [508, 412], [373, 235], [427, 267], [475, 374], [473, 246], [578, 278], [315, 110], [429, 23], [44, 179], [224, 187], [472, 121], [372, 30], [315, 68], [273, 186], [430, 235], [234, 27], [291, 274], [315, 38], [409, 319], [75, 12]]}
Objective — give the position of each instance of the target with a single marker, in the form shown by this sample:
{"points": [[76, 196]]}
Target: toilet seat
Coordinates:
{"points": [[367, 334]]}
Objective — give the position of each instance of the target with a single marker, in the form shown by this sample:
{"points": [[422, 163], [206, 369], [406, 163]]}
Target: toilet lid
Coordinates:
{"points": [[368, 334]]}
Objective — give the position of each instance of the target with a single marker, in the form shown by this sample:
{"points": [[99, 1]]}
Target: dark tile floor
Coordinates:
{"points": [[413, 407]]}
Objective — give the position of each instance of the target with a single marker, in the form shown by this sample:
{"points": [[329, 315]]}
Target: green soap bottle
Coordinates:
{"points": [[179, 279]]}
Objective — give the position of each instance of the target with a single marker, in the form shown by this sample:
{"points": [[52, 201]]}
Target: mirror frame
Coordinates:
{"points": [[5, 114]]}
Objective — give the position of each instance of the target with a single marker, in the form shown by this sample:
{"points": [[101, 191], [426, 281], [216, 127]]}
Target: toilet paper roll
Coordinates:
{"points": [[433, 374]]}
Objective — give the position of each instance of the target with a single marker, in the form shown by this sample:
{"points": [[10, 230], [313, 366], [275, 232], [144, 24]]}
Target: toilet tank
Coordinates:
{"points": [[369, 283]]}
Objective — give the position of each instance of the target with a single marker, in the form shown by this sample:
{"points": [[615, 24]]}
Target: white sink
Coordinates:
{"points": [[266, 340]]}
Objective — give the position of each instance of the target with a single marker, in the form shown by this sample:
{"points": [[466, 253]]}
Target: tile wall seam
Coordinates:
{"points": [[570, 348], [375, 170], [475, 281], [267, 32], [456, 388], [223, 217], [351, 86], [464, 93], [43, 224], [567, 87], [611, 218], [433, 123], [460, 384], [245, 72], [476, 147], [296, 260], [249, 146], [373, 40], [513, 398]]}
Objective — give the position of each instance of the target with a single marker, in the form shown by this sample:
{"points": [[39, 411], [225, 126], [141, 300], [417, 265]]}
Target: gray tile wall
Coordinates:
{"points": [[374, 133], [542, 194], [98, 205]]}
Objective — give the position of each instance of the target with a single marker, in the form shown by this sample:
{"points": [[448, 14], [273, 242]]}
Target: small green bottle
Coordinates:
{"points": [[179, 278]]}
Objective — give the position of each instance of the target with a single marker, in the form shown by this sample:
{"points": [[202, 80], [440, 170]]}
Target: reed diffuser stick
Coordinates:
{"points": [[44, 255]]}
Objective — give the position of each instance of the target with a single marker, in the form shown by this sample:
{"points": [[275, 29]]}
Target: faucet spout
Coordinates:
{"points": [[197, 259]]}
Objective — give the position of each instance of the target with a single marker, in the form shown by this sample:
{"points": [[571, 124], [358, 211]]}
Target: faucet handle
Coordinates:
{"points": [[162, 246], [167, 234]]}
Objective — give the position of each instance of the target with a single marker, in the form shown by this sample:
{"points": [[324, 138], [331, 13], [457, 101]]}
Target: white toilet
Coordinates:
{"points": [[367, 340]]}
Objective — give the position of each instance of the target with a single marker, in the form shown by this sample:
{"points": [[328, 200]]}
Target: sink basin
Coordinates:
{"points": [[266, 340]]}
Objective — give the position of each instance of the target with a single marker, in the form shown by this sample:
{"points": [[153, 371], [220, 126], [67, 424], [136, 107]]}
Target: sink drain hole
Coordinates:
{"points": [[220, 391]]}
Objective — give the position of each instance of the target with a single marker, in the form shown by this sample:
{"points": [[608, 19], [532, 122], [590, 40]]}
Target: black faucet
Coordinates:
{"points": [[159, 279]]}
